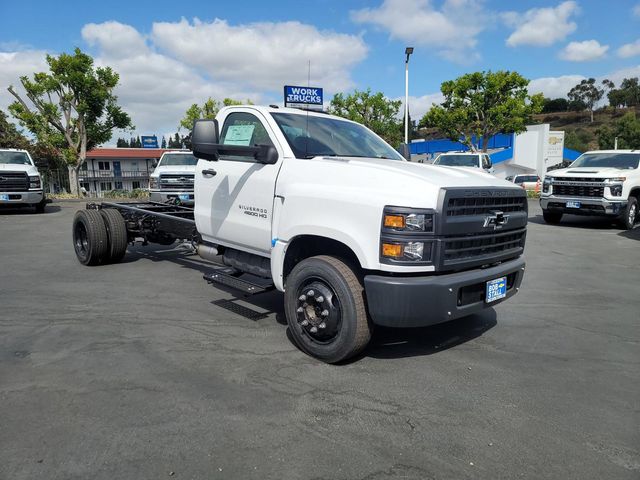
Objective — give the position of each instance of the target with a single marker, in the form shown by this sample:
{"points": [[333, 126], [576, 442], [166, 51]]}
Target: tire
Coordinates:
{"points": [[90, 239], [116, 233], [324, 290], [40, 206], [631, 214], [551, 217]]}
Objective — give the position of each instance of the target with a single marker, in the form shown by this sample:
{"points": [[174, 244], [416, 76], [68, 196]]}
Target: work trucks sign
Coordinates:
{"points": [[303, 97]]}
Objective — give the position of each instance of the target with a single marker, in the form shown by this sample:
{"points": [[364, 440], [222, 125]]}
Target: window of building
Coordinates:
{"points": [[118, 185], [85, 185], [104, 166], [135, 184], [105, 186], [134, 166], [83, 166]]}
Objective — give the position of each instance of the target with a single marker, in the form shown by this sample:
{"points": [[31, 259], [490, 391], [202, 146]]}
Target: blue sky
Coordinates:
{"points": [[171, 54]]}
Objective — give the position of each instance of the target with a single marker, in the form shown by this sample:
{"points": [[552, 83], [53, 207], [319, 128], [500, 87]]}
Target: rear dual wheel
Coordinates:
{"points": [[99, 236]]}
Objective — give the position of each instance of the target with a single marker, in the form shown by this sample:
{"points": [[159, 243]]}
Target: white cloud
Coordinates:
{"points": [[558, 87], [541, 26], [180, 63], [15, 64], [263, 55], [636, 10], [629, 49], [418, 106], [583, 51], [453, 29]]}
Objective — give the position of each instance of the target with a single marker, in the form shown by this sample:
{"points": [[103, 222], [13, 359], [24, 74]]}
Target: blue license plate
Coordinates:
{"points": [[184, 198], [573, 204], [4, 198], [496, 289]]}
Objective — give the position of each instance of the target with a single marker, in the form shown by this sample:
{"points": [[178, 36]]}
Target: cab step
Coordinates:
{"points": [[235, 279]]}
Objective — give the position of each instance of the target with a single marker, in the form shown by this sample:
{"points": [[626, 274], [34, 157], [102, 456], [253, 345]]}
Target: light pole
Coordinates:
{"points": [[407, 51]]}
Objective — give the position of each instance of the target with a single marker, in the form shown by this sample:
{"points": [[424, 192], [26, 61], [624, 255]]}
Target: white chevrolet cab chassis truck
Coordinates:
{"points": [[599, 183], [322, 209], [20, 181]]}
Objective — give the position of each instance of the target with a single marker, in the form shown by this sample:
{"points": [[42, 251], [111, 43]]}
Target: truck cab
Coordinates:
{"points": [[481, 161], [20, 181], [602, 183], [172, 178]]}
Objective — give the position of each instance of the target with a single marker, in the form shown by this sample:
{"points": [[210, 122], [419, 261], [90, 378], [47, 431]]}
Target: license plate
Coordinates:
{"points": [[184, 198], [496, 289], [573, 204], [4, 198]]}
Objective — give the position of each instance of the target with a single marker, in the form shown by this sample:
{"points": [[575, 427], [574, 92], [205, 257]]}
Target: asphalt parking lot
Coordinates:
{"points": [[142, 370]]}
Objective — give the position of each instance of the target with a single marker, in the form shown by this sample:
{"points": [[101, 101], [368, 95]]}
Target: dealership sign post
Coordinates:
{"points": [[303, 97]]}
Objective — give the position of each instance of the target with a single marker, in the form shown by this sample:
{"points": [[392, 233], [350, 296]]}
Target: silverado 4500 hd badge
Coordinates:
{"points": [[254, 211]]}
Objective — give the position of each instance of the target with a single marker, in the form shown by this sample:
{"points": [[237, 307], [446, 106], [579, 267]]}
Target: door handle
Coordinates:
{"points": [[209, 172]]}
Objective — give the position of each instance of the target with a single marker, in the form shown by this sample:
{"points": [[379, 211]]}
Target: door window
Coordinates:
{"points": [[243, 129]]}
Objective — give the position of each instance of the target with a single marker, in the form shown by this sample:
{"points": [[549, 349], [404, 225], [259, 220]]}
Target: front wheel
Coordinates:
{"points": [[325, 309], [630, 216], [551, 216]]}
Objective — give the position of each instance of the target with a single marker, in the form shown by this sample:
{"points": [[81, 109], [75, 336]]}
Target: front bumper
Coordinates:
{"points": [[396, 301], [21, 198], [588, 205], [167, 195]]}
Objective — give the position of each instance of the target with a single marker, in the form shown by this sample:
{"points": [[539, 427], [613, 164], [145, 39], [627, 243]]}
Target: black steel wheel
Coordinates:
{"points": [[90, 239], [39, 207], [325, 309], [116, 233]]}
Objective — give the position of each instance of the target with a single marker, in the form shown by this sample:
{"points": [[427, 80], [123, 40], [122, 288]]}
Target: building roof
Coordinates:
{"points": [[128, 152]]}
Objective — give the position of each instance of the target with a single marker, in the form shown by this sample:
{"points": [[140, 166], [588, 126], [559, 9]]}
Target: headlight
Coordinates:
{"points": [[405, 221], [546, 183], [34, 181], [407, 251], [153, 182], [615, 185]]}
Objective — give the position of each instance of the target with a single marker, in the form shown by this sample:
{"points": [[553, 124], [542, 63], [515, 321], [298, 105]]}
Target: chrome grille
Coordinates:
{"points": [[182, 182], [578, 190]]}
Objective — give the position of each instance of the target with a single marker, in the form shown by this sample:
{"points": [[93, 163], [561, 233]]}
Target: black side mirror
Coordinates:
{"points": [[405, 151], [486, 162], [204, 139], [267, 154]]}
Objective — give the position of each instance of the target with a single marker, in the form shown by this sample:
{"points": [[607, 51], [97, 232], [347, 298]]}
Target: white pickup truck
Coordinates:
{"points": [[599, 183], [172, 178], [20, 181], [465, 159], [322, 209]]}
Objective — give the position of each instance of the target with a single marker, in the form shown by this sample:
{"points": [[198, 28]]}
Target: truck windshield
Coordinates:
{"points": [[457, 160], [603, 160], [14, 158], [178, 159], [314, 136]]}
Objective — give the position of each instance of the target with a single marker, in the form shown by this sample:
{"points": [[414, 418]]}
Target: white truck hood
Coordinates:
{"points": [[174, 170], [582, 172], [12, 167]]}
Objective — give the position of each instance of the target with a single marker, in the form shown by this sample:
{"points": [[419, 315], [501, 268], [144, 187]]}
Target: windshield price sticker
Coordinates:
{"points": [[239, 135]]}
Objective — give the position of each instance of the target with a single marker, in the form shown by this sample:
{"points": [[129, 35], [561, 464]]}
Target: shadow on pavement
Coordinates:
{"points": [[575, 221], [4, 210], [631, 234]]}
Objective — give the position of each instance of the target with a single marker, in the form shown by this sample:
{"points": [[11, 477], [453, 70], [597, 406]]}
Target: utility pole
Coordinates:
{"points": [[408, 51]]}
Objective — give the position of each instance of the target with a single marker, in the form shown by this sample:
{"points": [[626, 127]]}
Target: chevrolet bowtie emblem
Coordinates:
{"points": [[497, 220]]}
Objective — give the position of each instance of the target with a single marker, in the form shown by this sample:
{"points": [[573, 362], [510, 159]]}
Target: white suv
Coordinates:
{"points": [[465, 159], [172, 179], [20, 182]]}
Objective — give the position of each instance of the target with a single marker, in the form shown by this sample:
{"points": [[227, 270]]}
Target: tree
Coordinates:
{"points": [[373, 110], [627, 130], [164, 142], [631, 91], [552, 105], [10, 137], [578, 139], [72, 105], [481, 104], [122, 143], [208, 110], [588, 93]]}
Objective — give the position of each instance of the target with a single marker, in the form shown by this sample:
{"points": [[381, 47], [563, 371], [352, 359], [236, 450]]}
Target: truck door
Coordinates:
{"points": [[234, 207]]}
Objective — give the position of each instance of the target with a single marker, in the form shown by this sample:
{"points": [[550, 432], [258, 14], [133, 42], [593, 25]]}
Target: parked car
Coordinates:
{"points": [[20, 181], [172, 178], [528, 182], [465, 159], [600, 182]]}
